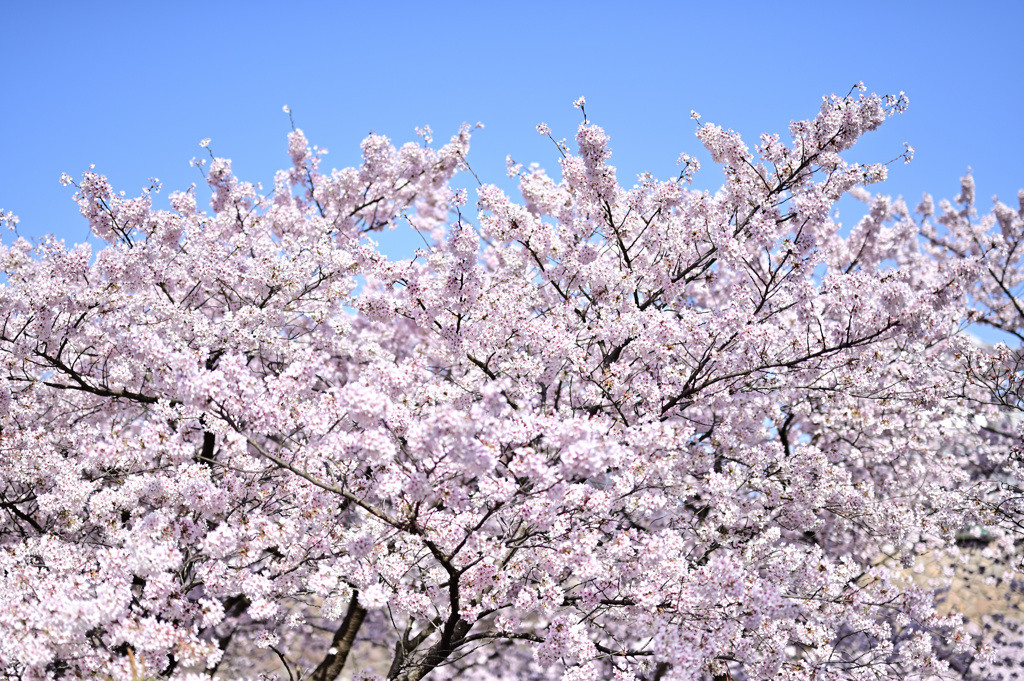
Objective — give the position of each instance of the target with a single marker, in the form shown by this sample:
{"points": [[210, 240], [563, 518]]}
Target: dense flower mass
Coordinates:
{"points": [[600, 432]]}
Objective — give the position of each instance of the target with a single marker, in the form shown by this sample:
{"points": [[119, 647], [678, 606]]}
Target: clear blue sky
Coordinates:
{"points": [[132, 87]]}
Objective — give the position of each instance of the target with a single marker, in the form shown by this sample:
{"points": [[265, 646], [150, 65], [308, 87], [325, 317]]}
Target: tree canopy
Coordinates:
{"points": [[597, 432]]}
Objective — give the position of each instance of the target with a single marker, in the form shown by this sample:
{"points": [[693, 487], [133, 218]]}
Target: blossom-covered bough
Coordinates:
{"points": [[598, 433]]}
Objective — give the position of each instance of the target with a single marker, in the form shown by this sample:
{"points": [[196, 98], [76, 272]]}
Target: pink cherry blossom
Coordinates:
{"points": [[601, 432]]}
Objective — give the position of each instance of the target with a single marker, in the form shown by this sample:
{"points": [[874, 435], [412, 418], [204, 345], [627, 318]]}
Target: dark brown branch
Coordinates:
{"points": [[341, 644]]}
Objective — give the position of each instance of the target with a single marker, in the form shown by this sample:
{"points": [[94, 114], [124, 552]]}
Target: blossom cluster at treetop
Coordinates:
{"points": [[597, 431]]}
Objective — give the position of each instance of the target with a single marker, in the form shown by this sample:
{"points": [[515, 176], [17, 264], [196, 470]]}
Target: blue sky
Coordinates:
{"points": [[133, 87]]}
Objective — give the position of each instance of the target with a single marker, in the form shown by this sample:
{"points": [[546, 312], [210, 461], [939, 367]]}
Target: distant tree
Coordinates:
{"points": [[604, 433]]}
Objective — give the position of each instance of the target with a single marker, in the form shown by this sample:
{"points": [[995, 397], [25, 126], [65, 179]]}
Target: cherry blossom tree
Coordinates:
{"points": [[596, 433]]}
